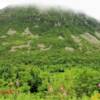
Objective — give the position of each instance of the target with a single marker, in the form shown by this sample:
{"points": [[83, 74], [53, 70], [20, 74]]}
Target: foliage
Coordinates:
{"points": [[38, 66]]}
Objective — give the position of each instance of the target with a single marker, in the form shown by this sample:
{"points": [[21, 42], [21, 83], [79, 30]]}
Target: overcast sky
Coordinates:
{"points": [[90, 7]]}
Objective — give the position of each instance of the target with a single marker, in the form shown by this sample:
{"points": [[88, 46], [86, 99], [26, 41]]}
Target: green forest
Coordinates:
{"points": [[48, 55]]}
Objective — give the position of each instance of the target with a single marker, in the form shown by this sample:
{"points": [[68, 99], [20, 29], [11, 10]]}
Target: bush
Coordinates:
{"points": [[83, 80], [35, 81]]}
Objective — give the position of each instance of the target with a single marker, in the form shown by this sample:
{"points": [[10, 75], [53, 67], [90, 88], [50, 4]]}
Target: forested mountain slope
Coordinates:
{"points": [[36, 44], [53, 30]]}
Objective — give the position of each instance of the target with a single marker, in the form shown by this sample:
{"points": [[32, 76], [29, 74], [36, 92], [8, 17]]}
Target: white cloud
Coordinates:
{"points": [[90, 7]]}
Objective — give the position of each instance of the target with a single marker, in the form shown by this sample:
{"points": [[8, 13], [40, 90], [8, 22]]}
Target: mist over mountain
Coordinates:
{"points": [[27, 16], [87, 6]]}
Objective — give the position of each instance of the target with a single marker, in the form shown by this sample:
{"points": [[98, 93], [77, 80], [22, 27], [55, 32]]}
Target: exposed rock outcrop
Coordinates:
{"points": [[69, 49], [11, 32], [23, 46], [27, 32], [90, 38]]}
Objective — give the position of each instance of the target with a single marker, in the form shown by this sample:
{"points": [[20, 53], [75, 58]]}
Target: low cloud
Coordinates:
{"points": [[90, 7]]}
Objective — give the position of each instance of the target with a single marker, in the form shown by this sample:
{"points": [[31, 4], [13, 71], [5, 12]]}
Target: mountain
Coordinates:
{"points": [[46, 20], [55, 31], [34, 41]]}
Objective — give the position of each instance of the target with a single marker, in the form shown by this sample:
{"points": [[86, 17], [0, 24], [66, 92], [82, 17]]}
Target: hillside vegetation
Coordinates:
{"points": [[50, 55]]}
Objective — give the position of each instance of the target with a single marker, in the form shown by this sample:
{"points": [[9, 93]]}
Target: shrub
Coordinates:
{"points": [[35, 81], [83, 80]]}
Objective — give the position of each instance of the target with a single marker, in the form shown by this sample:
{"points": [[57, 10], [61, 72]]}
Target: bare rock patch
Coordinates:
{"points": [[27, 32], [3, 36], [11, 32], [69, 49], [60, 37], [43, 47], [23, 46], [97, 35], [76, 39], [90, 38]]}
